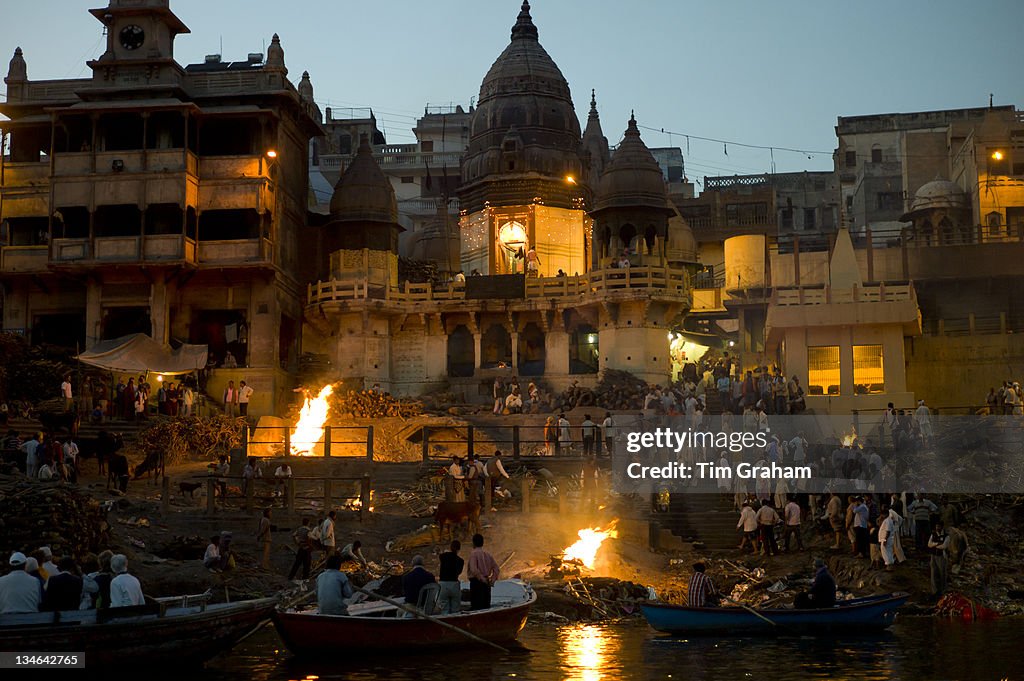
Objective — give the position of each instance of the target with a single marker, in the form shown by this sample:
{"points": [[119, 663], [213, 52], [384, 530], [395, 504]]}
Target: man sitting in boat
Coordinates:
{"points": [[414, 580], [822, 593], [19, 591], [333, 587], [702, 592], [125, 589]]}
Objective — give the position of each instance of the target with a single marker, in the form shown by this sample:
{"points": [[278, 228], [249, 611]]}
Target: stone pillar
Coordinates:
{"points": [[93, 313], [477, 337], [846, 362], [160, 310], [556, 353], [514, 336]]}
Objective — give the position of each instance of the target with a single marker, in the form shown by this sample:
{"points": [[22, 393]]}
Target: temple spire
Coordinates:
{"points": [[593, 104], [524, 28]]}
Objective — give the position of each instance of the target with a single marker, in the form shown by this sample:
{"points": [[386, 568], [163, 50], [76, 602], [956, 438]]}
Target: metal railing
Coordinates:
{"points": [[823, 295]]}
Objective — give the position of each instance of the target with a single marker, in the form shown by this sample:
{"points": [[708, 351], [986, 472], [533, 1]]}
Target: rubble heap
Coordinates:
{"points": [[371, 405], [34, 514], [617, 389]]}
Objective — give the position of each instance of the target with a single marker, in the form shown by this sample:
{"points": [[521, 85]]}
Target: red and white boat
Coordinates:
{"points": [[375, 626]]}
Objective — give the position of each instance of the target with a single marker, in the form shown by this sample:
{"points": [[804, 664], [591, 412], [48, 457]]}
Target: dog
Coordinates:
{"points": [[189, 487]]}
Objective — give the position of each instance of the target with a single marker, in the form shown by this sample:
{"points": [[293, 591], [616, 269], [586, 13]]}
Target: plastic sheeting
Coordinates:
{"points": [[138, 353]]}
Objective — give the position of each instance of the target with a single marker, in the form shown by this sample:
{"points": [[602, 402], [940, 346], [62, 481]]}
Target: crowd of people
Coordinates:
{"points": [[43, 582], [47, 457], [870, 526], [509, 398]]}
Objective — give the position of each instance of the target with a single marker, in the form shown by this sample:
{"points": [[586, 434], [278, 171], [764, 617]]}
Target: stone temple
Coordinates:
{"points": [[547, 226]]}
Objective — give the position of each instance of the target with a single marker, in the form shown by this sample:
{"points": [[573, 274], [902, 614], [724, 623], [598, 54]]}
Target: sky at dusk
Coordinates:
{"points": [[761, 73]]}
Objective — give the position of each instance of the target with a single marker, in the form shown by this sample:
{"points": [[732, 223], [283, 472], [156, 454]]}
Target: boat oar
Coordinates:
{"points": [[753, 612], [418, 613]]}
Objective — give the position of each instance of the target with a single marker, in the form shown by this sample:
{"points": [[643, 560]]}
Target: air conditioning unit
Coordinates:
{"points": [[255, 57], [117, 165], [212, 59]]}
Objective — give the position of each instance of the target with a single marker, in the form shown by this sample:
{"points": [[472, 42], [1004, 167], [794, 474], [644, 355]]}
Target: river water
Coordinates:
{"points": [[915, 649]]}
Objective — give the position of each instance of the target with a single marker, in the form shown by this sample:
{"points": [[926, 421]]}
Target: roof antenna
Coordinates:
{"points": [[990, 100]]}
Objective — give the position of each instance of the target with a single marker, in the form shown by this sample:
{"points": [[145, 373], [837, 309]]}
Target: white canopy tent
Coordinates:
{"points": [[139, 354]]}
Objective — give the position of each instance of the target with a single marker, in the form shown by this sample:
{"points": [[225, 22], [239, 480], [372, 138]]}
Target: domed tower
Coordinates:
{"points": [[438, 242], [941, 213], [631, 206], [362, 235], [522, 176]]}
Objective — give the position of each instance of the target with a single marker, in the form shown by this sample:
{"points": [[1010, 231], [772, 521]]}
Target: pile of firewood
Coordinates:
{"points": [[371, 404], [616, 390], [35, 514], [188, 437]]}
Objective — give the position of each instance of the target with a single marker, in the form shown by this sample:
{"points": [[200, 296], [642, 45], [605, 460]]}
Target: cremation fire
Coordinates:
{"points": [[850, 439], [310, 428], [585, 549]]}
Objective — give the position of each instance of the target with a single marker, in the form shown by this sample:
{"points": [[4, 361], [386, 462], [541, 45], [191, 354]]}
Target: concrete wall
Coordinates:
{"points": [[958, 371]]}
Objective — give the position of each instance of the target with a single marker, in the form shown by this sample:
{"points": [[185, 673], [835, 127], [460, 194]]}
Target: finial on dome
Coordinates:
{"points": [[524, 27], [593, 106], [17, 71], [305, 87], [275, 54]]}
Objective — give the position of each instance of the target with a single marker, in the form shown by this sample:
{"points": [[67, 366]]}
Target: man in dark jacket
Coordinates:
{"points": [[64, 589], [822, 593]]}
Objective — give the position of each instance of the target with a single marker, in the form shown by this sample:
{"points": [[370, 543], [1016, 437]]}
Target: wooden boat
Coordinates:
{"points": [[182, 634], [872, 613], [375, 626]]}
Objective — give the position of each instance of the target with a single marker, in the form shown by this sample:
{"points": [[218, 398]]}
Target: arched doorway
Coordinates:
{"points": [[584, 351], [627, 234], [531, 351], [461, 355], [496, 348]]}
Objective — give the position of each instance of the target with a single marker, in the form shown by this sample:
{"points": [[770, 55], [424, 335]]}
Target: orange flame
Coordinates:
{"points": [[310, 428], [590, 540]]}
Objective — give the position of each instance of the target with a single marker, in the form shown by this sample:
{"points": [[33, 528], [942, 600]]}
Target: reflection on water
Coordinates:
{"points": [[915, 649], [584, 651]]}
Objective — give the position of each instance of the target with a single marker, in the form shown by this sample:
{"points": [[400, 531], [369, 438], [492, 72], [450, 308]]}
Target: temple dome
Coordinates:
{"points": [[633, 178], [682, 244], [939, 194], [363, 192], [524, 121]]}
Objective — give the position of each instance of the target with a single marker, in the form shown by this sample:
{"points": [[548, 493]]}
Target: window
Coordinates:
{"points": [[787, 218], [876, 154], [995, 223], [823, 370], [849, 203], [427, 146], [408, 179], [868, 371], [851, 159], [732, 214], [889, 200], [809, 222]]}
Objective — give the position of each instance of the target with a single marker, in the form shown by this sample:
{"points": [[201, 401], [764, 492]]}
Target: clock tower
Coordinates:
{"points": [[138, 32]]}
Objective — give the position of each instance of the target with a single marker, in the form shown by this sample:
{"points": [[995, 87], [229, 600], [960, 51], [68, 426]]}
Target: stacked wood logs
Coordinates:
{"points": [[35, 514], [373, 404], [617, 389], [189, 437]]}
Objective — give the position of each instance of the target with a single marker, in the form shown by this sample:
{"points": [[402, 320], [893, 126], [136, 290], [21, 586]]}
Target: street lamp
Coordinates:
{"points": [[271, 153]]}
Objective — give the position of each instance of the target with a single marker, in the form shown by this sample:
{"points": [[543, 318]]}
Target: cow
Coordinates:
{"points": [[117, 472], [455, 513]]}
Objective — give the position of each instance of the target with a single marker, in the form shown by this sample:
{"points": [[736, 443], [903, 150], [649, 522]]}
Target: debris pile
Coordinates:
{"points": [[372, 404], [600, 598], [616, 390], [34, 514]]}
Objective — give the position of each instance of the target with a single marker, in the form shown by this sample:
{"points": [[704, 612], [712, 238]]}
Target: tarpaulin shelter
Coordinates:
{"points": [[138, 354]]}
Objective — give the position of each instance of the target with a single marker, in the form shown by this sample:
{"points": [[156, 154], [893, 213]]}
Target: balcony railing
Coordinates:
{"points": [[150, 248], [882, 293], [667, 282], [15, 259], [26, 174], [235, 251]]}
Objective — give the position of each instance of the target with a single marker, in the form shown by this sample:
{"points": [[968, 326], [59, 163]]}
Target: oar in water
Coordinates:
{"points": [[418, 613]]}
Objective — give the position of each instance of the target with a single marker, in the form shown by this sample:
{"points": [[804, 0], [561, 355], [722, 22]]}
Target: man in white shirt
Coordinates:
{"points": [[31, 456], [19, 591], [281, 476], [48, 565], [748, 523], [245, 392], [125, 589], [792, 516], [564, 436], [65, 392], [327, 534], [608, 430]]}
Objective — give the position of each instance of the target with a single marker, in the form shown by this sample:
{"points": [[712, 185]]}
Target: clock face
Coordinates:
{"points": [[132, 37]]}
